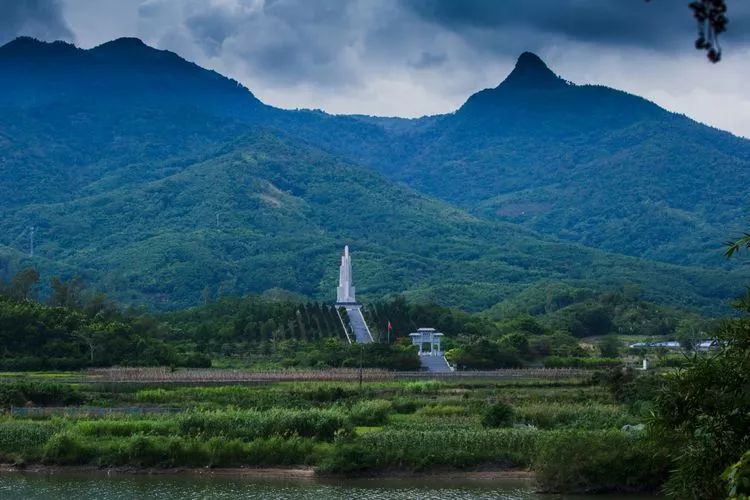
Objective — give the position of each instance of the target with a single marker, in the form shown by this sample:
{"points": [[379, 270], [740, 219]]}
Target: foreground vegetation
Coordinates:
{"points": [[683, 427], [336, 427]]}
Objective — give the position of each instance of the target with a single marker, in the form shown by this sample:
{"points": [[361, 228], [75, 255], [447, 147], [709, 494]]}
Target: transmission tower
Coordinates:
{"points": [[32, 230]]}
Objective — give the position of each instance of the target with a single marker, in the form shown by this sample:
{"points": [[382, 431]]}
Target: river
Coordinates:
{"points": [[79, 486]]}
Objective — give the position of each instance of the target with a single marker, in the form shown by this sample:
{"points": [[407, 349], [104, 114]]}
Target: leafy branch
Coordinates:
{"points": [[735, 246]]}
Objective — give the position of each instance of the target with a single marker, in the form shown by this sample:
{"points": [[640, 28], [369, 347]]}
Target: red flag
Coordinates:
{"points": [[390, 326]]}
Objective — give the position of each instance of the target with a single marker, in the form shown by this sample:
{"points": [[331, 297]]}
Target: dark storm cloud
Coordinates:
{"points": [[287, 40], [429, 60], [414, 57], [328, 42], [658, 24], [211, 27], [38, 18]]}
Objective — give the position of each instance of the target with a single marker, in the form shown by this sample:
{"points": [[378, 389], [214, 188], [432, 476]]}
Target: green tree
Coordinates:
{"points": [[66, 293], [609, 347], [515, 341], [703, 413], [23, 283]]}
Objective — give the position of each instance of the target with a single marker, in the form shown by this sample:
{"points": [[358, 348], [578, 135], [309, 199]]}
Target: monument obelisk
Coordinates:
{"points": [[345, 291], [345, 297]]}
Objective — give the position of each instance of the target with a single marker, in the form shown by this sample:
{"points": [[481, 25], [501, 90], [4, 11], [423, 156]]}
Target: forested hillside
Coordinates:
{"points": [[162, 183], [585, 163]]}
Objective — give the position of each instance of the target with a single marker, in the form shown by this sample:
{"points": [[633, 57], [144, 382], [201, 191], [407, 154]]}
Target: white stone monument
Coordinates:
{"points": [[345, 291], [345, 298]]}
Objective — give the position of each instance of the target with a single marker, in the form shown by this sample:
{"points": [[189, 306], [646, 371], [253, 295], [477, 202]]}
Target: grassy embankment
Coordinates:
{"points": [[567, 431]]}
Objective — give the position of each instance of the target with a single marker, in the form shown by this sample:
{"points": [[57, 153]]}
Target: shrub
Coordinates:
{"points": [[372, 412], [403, 405], [586, 461], [67, 449], [498, 414], [628, 386], [347, 458], [23, 392]]}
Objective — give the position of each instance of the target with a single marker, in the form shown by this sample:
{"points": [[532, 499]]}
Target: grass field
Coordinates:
{"points": [[334, 426]]}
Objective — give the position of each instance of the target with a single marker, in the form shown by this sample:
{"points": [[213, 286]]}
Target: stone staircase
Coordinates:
{"points": [[435, 363], [359, 327]]}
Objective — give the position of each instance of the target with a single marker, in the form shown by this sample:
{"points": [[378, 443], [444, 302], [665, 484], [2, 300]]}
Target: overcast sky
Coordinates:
{"points": [[416, 57]]}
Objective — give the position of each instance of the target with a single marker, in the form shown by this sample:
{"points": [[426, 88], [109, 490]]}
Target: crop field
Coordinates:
{"points": [[335, 426]]}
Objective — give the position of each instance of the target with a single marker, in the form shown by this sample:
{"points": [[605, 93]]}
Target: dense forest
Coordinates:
{"points": [[72, 327]]}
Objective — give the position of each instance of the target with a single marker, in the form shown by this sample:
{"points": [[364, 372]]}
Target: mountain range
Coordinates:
{"points": [[156, 179]]}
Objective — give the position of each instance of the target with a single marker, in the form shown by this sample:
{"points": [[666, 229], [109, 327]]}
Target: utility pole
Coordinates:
{"points": [[32, 229], [361, 361]]}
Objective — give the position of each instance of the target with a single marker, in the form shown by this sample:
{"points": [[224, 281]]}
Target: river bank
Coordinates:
{"points": [[296, 473]]}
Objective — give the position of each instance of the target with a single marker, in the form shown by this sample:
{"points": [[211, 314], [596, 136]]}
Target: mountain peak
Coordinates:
{"points": [[124, 42], [531, 73], [125, 46]]}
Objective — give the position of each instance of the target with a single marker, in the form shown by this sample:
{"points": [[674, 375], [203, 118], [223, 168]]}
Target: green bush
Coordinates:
{"points": [[498, 414], [371, 412], [22, 392], [598, 461], [404, 405], [347, 458], [68, 449]]}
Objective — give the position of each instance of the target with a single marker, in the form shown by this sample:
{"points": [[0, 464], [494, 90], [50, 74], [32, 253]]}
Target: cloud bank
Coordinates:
{"points": [[417, 57], [38, 18]]}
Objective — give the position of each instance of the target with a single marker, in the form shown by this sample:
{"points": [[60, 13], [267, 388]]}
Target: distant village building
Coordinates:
{"points": [[703, 345], [667, 344]]}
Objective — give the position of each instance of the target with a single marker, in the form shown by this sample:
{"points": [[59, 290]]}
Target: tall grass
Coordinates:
{"points": [[589, 416], [24, 437], [170, 451], [250, 424], [418, 450]]}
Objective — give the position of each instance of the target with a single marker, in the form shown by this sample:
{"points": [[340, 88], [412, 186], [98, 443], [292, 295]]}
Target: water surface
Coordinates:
{"points": [[78, 486]]}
